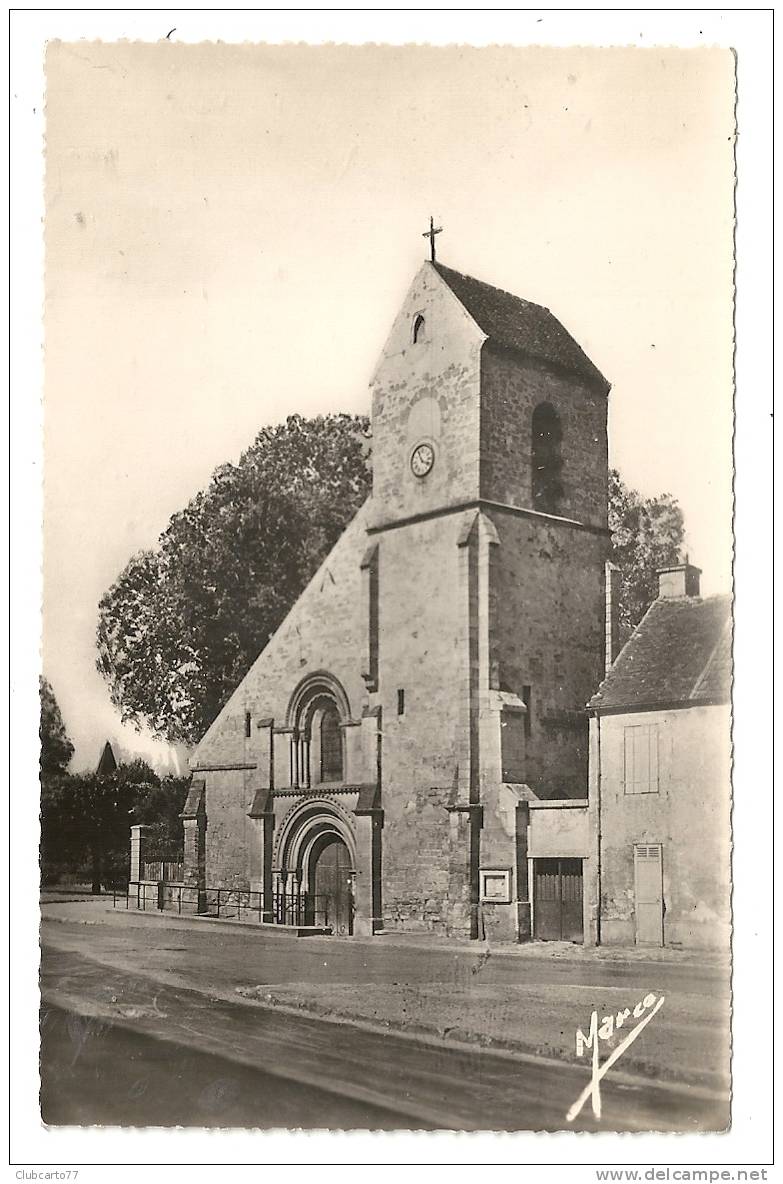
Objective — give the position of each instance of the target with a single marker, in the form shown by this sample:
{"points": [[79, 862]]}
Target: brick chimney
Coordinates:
{"points": [[612, 614], [682, 580]]}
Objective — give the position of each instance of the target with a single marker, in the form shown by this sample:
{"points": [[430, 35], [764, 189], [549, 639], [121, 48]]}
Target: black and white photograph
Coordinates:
{"points": [[387, 603]]}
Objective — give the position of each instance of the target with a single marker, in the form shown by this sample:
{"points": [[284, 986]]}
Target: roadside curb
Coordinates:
{"points": [[591, 954], [519, 1053]]}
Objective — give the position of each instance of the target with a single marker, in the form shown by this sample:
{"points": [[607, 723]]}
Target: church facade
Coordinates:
{"points": [[410, 750]]}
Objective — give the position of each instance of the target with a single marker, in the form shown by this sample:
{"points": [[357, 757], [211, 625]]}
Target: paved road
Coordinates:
{"points": [[249, 954], [530, 999], [95, 1072], [211, 1041], [134, 978]]}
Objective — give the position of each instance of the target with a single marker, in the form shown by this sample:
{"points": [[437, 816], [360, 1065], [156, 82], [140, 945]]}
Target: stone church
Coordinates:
{"points": [[410, 750]]}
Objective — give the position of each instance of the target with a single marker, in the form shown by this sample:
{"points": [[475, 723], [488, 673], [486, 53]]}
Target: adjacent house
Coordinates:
{"points": [[660, 768]]}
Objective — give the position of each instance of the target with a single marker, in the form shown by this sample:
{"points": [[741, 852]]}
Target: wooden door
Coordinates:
{"points": [[571, 906], [557, 900], [332, 886], [648, 881], [546, 899]]}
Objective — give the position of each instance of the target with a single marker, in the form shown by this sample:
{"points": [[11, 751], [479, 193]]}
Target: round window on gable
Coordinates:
{"points": [[418, 328]]}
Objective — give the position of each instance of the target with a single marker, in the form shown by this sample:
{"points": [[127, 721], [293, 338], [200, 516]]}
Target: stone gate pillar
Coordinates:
{"points": [[138, 854], [138, 839]]}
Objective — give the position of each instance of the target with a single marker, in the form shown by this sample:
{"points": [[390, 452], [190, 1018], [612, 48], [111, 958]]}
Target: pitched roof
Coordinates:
{"points": [[679, 653], [520, 325], [107, 764]]}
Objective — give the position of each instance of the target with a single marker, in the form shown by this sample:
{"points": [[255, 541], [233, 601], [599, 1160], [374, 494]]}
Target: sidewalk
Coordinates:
{"points": [[98, 910]]}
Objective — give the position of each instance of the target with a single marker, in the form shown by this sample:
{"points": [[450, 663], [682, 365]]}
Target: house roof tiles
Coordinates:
{"points": [[679, 653]]}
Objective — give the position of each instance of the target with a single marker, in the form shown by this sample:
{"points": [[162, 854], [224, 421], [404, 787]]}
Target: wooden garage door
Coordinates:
{"points": [[557, 900]]}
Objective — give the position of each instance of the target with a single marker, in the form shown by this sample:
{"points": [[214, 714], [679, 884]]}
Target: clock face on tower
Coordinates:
{"points": [[422, 459]]}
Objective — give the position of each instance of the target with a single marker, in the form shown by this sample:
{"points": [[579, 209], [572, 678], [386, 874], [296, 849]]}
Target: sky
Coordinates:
{"points": [[230, 230]]}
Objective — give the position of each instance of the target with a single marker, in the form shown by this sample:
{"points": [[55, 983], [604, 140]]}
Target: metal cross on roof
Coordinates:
{"points": [[430, 234]]}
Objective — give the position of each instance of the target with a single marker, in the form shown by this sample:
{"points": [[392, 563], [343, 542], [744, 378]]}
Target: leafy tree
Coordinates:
{"points": [[184, 622], [61, 847], [56, 748], [84, 824], [647, 534], [86, 819], [137, 772], [159, 807]]}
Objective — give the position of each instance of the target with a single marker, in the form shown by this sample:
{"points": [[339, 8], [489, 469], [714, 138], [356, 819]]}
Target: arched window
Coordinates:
{"points": [[315, 711], [547, 487], [418, 328], [331, 746]]}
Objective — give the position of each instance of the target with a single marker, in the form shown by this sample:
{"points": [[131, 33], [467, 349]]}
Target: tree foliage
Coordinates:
{"points": [[56, 748], [184, 622], [647, 534], [158, 807], [84, 823], [86, 820]]}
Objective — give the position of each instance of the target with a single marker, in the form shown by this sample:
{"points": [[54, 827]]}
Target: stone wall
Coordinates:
{"points": [[559, 831], [420, 654], [323, 631], [422, 625], [229, 796], [511, 389], [549, 605]]}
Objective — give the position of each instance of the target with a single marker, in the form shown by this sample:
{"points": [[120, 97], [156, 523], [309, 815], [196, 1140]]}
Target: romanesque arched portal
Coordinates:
{"points": [[315, 866]]}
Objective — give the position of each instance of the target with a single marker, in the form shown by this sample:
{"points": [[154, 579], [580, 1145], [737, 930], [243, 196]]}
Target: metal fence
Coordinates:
{"points": [[288, 908], [302, 908]]}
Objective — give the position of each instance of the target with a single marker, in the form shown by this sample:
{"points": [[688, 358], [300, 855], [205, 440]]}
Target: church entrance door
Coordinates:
{"points": [[331, 880]]}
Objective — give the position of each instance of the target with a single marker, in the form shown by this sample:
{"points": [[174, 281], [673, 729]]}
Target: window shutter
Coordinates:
{"points": [[640, 761]]}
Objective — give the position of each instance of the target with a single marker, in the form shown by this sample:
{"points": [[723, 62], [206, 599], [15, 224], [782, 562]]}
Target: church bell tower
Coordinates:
{"points": [[489, 533]]}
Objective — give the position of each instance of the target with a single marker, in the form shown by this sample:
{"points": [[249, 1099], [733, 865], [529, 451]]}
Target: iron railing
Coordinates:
{"points": [[288, 908], [303, 908]]}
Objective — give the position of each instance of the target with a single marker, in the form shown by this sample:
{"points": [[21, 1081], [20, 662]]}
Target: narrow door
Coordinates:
{"points": [[572, 909], [557, 900], [546, 900], [648, 878], [332, 887]]}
